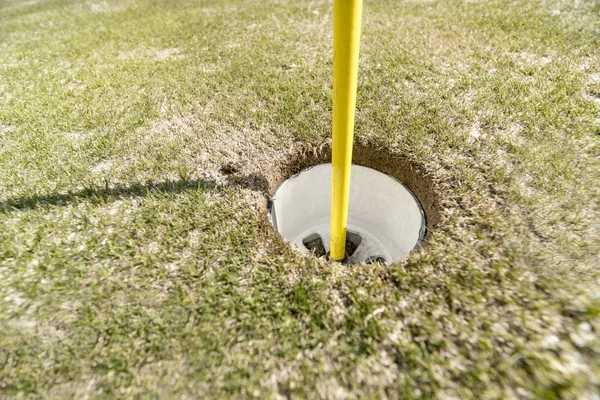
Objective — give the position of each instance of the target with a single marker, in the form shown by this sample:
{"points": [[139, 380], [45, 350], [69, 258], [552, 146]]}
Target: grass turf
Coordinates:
{"points": [[135, 257]]}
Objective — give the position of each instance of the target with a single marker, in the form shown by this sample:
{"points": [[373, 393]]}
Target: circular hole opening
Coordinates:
{"points": [[385, 219], [393, 204]]}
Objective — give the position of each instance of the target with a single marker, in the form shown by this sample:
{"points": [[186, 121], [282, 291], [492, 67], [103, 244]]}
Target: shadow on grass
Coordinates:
{"points": [[98, 195]]}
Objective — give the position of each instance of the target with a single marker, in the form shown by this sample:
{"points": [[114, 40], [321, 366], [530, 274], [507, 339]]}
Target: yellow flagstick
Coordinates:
{"points": [[346, 40]]}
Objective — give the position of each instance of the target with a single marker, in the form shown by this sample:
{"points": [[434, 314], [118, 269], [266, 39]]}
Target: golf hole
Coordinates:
{"points": [[385, 219]]}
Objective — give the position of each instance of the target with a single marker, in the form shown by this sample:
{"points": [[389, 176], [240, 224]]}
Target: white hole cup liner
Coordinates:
{"points": [[383, 212]]}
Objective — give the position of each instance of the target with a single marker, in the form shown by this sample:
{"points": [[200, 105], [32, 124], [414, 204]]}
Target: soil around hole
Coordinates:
{"points": [[229, 168], [428, 190], [413, 175]]}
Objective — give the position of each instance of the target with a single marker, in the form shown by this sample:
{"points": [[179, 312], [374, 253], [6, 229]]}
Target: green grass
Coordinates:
{"points": [[131, 266]]}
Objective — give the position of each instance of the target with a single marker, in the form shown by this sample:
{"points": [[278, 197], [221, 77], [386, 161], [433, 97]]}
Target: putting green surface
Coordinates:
{"points": [[139, 141]]}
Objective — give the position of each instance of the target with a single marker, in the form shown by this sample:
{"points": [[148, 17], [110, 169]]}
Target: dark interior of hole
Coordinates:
{"points": [[375, 259], [353, 240], [314, 244]]}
